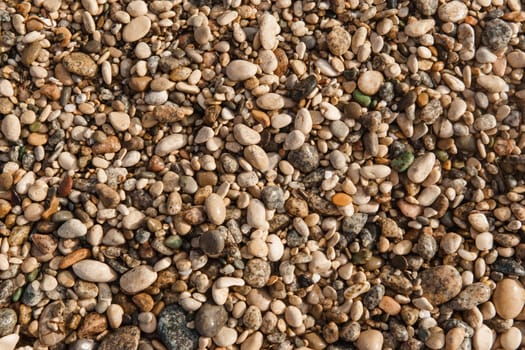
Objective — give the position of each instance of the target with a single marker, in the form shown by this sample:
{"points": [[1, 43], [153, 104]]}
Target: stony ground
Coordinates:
{"points": [[251, 174]]}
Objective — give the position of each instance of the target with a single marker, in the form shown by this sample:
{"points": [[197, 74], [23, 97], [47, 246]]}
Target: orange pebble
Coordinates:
{"points": [[341, 199]]}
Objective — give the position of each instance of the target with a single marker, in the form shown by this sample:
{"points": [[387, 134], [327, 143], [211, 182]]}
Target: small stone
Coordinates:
{"points": [[31, 53], [136, 29], [440, 284], [419, 28], [268, 30], [245, 135], [215, 209], [53, 312], [270, 101], [421, 168], [210, 319], [370, 82], [341, 199], [293, 316], [8, 319], [272, 197], [492, 83], [479, 222], [6, 89], [304, 159], [124, 338], [257, 272], [212, 242], [338, 41], [370, 340], [173, 331], [72, 228], [353, 225], [137, 279], [427, 7], [453, 11], [511, 339], [239, 70], [119, 120], [509, 298], [496, 34], [170, 144], [11, 127], [471, 296], [94, 271], [80, 64], [257, 157]]}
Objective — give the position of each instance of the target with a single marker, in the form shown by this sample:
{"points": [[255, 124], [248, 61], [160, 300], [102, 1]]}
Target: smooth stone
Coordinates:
{"points": [[156, 98], [270, 101], [293, 316], [370, 340], [257, 157], [492, 83], [483, 338], [419, 28], [225, 337], [80, 64], [511, 339], [440, 284], [115, 315], [170, 144], [72, 228], [453, 11], [210, 319], [304, 159], [509, 298], [215, 209], [370, 82], [239, 70], [136, 29], [245, 135], [421, 168], [137, 279], [268, 30], [94, 271], [376, 171], [516, 59], [212, 242], [479, 222], [119, 120], [470, 297], [8, 319], [6, 89], [9, 341], [11, 127], [256, 215], [338, 40]]}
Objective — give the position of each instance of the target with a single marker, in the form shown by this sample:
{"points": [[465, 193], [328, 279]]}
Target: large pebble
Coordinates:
{"points": [[94, 271], [238, 70], [304, 159], [9, 341], [256, 215], [419, 28], [492, 83], [440, 284], [509, 298], [370, 82], [80, 64], [210, 319], [119, 120], [72, 228], [11, 127], [268, 30], [421, 168], [6, 89], [453, 11], [136, 29], [215, 209], [257, 157], [338, 41], [170, 143], [370, 340], [245, 135], [473, 295], [124, 338], [479, 222], [137, 279], [173, 330], [270, 101]]}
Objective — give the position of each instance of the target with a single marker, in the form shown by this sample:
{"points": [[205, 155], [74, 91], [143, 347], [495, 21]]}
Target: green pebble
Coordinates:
{"points": [[173, 242], [32, 275], [362, 99], [16, 296], [441, 155], [34, 127], [403, 161]]}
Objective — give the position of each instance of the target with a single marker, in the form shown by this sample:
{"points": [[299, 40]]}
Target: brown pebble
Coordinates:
{"points": [[92, 325], [144, 301], [74, 257]]}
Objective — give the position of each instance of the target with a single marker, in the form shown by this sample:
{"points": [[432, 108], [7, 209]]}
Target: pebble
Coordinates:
{"points": [[173, 331], [120, 121], [72, 228], [268, 31], [304, 159], [170, 144], [479, 222], [212, 242], [370, 340], [94, 271], [370, 82], [421, 168], [6, 89], [471, 296], [511, 339], [137, 29], [419, 28], [9, 342], [210, 319], [293, 316], [11, 127], [272, 197], [270, 101], [8, 319], [245, 135], [137, 279], [453, 11], [427, 7], [215, 209], [496, 34], [338, 41], [239, 70], [80, 64], [441, 284], [124, 338], [509, 298]]}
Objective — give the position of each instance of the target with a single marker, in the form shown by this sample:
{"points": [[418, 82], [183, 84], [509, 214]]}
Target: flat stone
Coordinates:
{"points": [[80, 64], [72, 228], [136, 29], [239, 70], [94, 271], [137, 279], [170, 144], [440, 284]]}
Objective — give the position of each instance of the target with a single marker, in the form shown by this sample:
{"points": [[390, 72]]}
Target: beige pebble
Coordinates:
{"points": [[370, 340], [511, 339], [137, 279], [136, 29], [421, 168], [94, 271], [509, 298]]}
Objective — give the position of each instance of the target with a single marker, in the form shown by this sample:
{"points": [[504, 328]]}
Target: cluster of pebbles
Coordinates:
{"points": [[256, 174]]}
